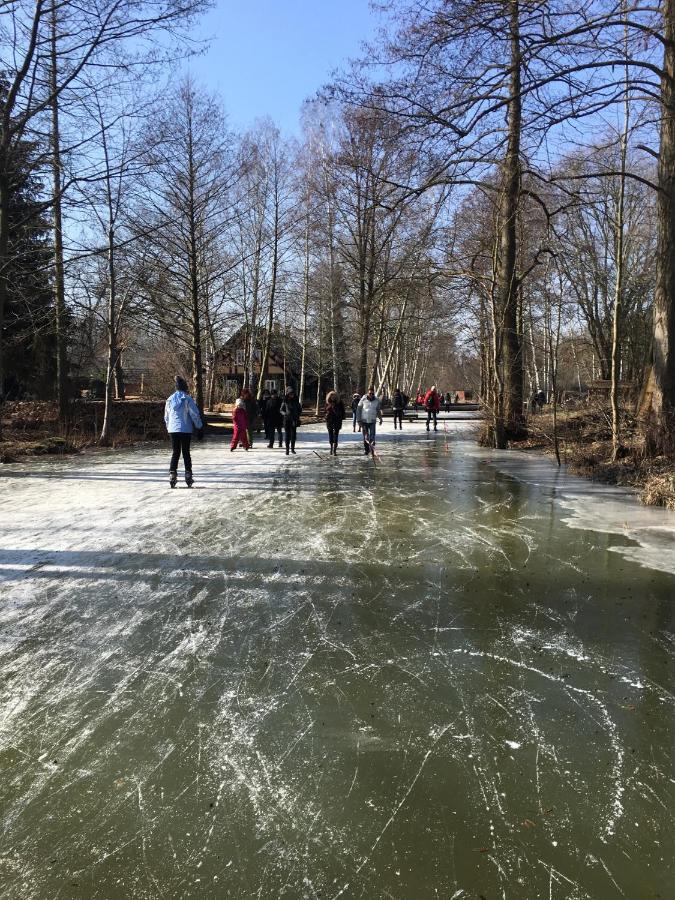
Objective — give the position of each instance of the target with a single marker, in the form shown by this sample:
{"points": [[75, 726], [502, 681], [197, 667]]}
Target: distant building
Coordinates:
{"points": [[283, 366]]}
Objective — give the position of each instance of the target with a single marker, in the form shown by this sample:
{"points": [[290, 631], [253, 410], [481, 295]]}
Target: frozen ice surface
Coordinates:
{"points": [[444, 675]]}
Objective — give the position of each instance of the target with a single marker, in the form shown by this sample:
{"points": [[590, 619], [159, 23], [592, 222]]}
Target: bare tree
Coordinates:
{"points": [[44, 63], [186, 204]]}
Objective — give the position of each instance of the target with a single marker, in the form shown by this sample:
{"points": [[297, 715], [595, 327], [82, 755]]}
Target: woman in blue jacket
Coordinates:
{"points": [[182, 418]]}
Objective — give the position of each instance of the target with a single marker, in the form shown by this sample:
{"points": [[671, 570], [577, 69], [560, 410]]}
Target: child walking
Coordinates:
{"points": [[240, 422]]}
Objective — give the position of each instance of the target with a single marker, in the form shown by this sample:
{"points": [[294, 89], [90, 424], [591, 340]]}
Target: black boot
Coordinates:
{"points": [[173, 478], [189, 480]]}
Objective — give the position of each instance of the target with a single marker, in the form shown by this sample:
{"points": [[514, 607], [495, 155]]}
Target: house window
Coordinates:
{"points": [[257, 355], [241, 358], [272, 384]]}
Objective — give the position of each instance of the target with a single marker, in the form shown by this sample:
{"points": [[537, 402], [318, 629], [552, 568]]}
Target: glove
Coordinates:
{"points": [[200, 434]]}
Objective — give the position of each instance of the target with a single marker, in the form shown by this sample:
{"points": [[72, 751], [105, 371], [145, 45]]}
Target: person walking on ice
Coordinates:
{"points": [[398, 402], [273, 421], [432, 403], [355, 406], [240, 422], [181, 417], [368, 412], [290, 412], [251, 406], [335, 413]]}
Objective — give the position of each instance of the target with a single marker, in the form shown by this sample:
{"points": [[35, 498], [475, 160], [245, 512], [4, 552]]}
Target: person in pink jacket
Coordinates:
{"points": [[240, 421]]}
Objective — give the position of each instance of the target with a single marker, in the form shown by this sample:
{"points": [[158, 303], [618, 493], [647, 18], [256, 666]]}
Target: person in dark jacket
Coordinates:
{"points": [[272, 417], [334, 414], [398, 403], [181, 417], [291, 412], [251, 405], [355, 405], [262, 407]]}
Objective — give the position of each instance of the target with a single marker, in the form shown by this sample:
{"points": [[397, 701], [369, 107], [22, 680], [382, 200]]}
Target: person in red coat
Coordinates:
{"points": [[432, 403], [240, 421]]}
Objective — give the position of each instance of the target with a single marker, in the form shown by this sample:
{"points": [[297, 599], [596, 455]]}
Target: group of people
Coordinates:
{"points": [[277, 413], [432, 401], [445, 400], [282, 414]]}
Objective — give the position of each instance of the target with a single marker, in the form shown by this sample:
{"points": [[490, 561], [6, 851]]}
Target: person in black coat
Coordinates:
{"points": [[398, 402], [291, 412], [262, 406], [273, 420], [355, 405], [334, 414]]}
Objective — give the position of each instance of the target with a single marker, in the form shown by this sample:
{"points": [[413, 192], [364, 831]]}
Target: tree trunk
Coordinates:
{"points": [[333, 341], [366, 306], [320, 359], [270, 308], [249, 359], [305, 316], [59, 278], [378, 346], [618, 284], [4, 243], [193, 268], [397, 337], [507, 278], [120, 387], [663, 391], [106, 428]]}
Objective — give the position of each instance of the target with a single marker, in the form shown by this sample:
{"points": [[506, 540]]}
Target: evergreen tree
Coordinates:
{"points": [[28, 333]]}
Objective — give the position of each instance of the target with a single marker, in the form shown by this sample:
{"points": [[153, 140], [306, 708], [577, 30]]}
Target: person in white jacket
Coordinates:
{"points": [[368, 412]]}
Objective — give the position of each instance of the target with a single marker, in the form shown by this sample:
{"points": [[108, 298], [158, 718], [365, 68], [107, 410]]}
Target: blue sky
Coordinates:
{"points": [[267, 56]]}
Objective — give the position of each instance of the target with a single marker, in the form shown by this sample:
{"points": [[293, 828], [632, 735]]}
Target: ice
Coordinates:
{"points": [[448, 673]]}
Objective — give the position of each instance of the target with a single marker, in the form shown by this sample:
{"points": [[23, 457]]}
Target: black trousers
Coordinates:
{"points": [[333, 434], [430, 413], [180, 441], [398, 414], [270, 429], [291, 430]]}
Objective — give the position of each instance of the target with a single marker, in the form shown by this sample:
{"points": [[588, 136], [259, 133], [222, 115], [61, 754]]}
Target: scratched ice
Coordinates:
{"points": [[449, 675]]}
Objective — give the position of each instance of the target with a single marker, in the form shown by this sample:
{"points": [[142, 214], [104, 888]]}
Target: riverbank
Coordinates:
{"points": [[585, 446], [32, 428]]}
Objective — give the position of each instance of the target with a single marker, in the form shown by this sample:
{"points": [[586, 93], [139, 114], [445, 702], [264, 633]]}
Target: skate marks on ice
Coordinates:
{"points": [[344, 685]]}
